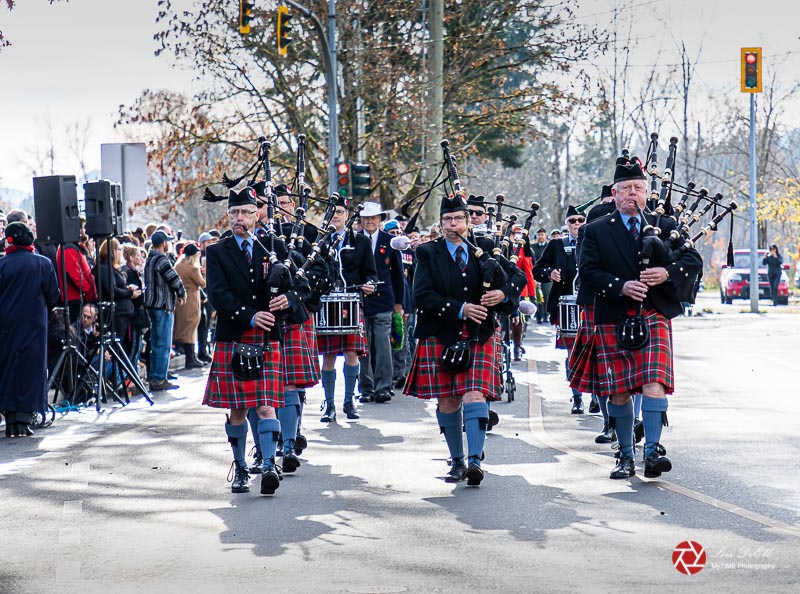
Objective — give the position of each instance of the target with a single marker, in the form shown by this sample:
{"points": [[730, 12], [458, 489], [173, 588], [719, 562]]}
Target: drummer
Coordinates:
{"points": [[358, 270], [557, 265]]}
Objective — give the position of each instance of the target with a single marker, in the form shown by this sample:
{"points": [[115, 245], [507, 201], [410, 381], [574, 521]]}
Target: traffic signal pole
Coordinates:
{"points": [[329, 62], [754, 282]]}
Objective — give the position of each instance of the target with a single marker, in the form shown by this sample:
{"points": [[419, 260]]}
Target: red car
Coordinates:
{"points": [[734, 282]]}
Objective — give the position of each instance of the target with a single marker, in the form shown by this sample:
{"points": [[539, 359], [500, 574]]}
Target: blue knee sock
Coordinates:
{"points": [[476, 419], [268, 431], [603, 402], [288, 417], [623, 422], [637, 405], [450, 424], [329, 384], [302, 396], [237, 437], [653, 410], [350, 379], [252, 419]]}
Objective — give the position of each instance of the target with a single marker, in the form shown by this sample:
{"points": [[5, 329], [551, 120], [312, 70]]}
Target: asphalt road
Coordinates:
{"points": [[135, 499]]}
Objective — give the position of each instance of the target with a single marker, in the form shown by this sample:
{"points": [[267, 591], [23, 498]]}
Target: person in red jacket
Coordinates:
{"points": [[81, 287], [525, 264]]}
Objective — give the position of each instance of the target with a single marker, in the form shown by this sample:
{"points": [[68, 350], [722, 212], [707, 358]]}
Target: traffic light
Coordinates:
{"points": [[362, 180], [245, 15], [282, 30], [751, 70], [343, 180]]}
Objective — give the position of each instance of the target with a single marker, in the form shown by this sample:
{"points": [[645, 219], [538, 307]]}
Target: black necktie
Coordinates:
{"points": [[246, 249], [460, 261], [633, 227]]}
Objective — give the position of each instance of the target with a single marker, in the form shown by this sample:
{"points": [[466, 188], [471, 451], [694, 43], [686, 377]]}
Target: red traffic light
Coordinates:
{"points": [[343, 168], [750, 58]]}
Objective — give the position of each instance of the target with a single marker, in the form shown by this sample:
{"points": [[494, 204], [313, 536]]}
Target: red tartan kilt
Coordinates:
{"points": [[224, 390], [310, 334], [333, 344], [296, 357], [582, 364], [427, 379], [620, 370]]}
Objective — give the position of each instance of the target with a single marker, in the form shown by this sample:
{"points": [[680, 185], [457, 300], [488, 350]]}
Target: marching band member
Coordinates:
{"points": [[237, 269], [358, 269], [557, 265], [609, 266], [451, 307]]}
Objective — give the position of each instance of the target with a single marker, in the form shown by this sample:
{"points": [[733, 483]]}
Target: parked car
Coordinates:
{"points": [[734, 282]]}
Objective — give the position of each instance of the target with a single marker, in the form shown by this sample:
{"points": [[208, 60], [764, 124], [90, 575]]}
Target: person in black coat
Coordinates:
{"points": [[558, 265], [774, 263], [28, 289], [112, 286], [611, 265], [239, 282], [375, 379], [454, 310], [357, 266]]}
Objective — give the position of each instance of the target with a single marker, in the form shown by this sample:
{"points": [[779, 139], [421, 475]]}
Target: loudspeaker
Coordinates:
{"points": [[55, 203], [117, 201], [99, 208]]}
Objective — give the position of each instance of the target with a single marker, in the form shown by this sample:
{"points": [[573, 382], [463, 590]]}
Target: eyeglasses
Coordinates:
{"points": [[574, 221], [476, 213], [454, 219], [235, 212], [340, 212], [284, 203]]}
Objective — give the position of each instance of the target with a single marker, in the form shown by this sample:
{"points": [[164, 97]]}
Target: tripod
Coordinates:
{"points": [[109, 343], [65, 376]]}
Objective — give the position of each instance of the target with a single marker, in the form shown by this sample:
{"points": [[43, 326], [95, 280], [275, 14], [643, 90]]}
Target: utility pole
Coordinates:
{"points": [[430, 212]]}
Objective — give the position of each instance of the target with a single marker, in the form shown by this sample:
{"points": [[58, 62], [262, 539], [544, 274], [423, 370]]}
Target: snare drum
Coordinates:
{"points": [[340, 314], [568, 316]]}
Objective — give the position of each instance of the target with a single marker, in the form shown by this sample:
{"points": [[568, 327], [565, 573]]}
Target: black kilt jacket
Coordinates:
{"points": [[440, 289], [609, 256], [238, 290], [358, 263], [556, 256]]}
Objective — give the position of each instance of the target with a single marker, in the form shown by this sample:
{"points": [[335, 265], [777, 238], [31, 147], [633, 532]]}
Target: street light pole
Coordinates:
{"points": [[328, 45]]}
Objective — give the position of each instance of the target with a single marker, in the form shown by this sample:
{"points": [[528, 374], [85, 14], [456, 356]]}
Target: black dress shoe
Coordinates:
{"points": [[258, 462], [457, 473], [171, 376], [350, 411], [638, 430], [290, 462], [494, 419], [241, 479], [399, 383], [205, 359], [366, 398], [300, 443], [270, 481], [330, 414], [577, 406], [594, 406], [382, 397], [607, 436], [474, 475], [625, 468], [655, 464]]}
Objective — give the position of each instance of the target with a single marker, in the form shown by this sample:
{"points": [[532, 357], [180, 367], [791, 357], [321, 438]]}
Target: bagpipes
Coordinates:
{"points": [[632, 332]]}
